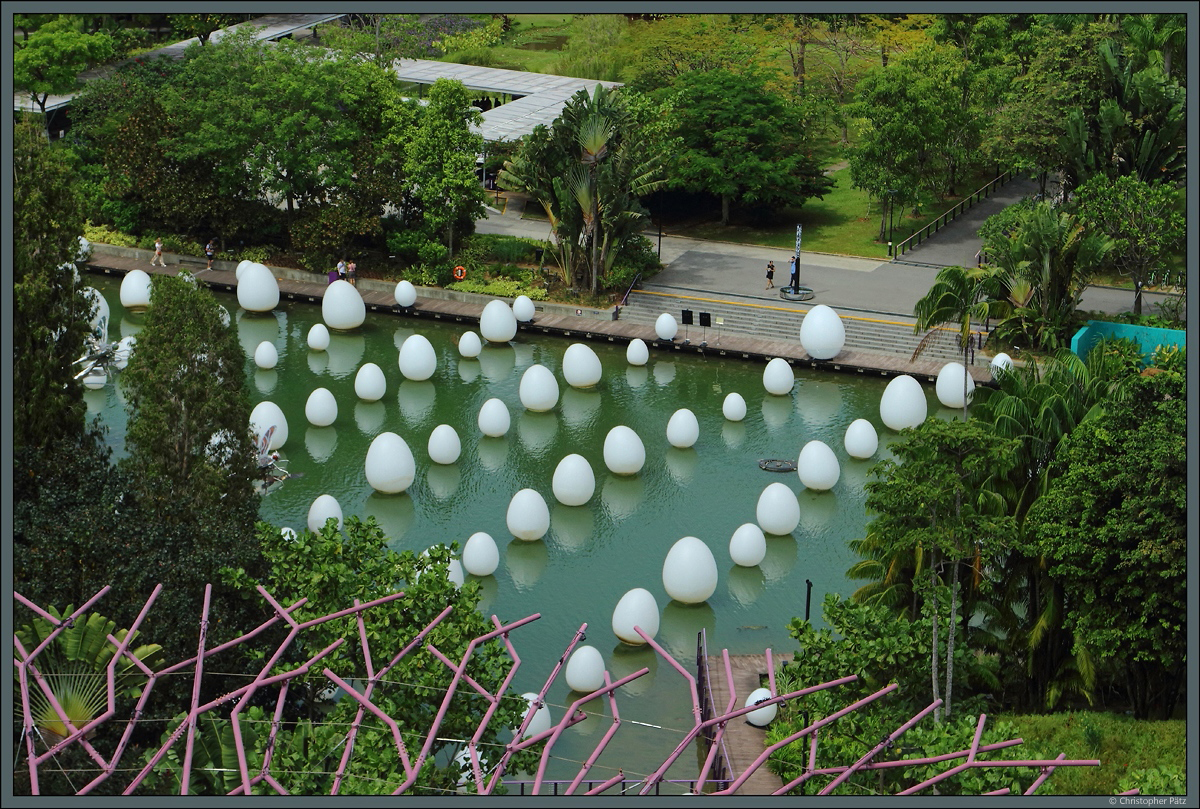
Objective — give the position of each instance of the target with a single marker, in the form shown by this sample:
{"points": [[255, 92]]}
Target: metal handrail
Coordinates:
{"points": [[632, 284], [950, 215], [722, 772]]}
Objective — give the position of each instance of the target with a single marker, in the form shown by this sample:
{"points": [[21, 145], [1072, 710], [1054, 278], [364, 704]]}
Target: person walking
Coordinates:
{"points": [[158, 256], [770, 275], [795, 271], [210, 250], [352, 273], [341, 269]]}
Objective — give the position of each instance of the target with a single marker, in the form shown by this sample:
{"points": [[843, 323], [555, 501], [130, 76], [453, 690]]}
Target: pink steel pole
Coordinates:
{"points": [[719, 737], [186, 776], [1041, 779], [849, 771], [608, 734]]}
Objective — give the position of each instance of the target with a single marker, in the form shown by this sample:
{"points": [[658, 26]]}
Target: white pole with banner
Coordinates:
{"points": [[799, 230]]}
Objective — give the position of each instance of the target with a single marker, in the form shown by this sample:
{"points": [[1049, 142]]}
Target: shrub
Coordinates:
{"points": [[1122, 356], [1170, 358], [1155, 781], [406, 245], [102, 234], [258, 253], [499, 288], [433, 253]]}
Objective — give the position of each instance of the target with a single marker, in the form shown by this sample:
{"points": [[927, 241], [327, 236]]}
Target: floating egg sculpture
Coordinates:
{"points": [[734, 407], [406, 294], [322, 509], [494, 419], [469, 345], [861, 439], [541, 721], [539, 389], [624, 453], [581, 367], [822, 333], [342, 307], [135, 290], [257, 289], [223, 315], [418, 360], [266, 355], [778, 510], [444, 444], [949, 385], [390, 465], [817, 466], [999, 364], [574, 482], [497, 323], [321, 408], [689, 572], [585, 670], [95, 380], [266, 415], [123, 352], [665, 327], [370, 383], [288, 534], [763, 716], [100, 315], [241, 268], [523, 309], [683, 429], [637, 352], [454, 572], [528, 515], [84, 252], [778, 377], [903, 403], [637, 608], [480, 556], [748, 545], [318, 337]]}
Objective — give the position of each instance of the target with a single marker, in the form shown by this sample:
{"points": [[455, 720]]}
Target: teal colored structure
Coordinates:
{"points": [[1148, 338]]}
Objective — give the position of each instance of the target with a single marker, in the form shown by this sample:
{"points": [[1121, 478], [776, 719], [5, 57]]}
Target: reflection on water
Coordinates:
{"points": [[492, 452], [369, 416], [526, 562], [625, 660], [819, 401], [733, 433], [636, 375], [320, 442], [394, 513], [318, 361], [416, 402], [468, 369], [489, 588], [536, 431], [818, 510], [776, 410], [497, 362], [130, 326], [345, 354], [266, 381], [780, 558], [746, 584], [621, 495], [571, 526], [257, 327], [664, 373], [681, 623], [443, 480], [681, 464]]}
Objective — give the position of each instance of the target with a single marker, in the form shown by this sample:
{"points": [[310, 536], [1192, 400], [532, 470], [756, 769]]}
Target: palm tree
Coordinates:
{"points": [[959, 296]]}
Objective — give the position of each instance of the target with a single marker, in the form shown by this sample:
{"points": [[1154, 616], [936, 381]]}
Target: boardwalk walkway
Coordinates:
{"points": [[743, 742]]}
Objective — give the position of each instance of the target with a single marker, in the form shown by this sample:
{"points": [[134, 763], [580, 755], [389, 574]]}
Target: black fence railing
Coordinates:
{"points": [[949, 216], [721, 773], [628, 786]]}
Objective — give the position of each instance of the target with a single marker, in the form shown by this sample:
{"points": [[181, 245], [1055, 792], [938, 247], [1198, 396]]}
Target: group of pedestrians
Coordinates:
{"points": [[795, 273], [345, 271]]}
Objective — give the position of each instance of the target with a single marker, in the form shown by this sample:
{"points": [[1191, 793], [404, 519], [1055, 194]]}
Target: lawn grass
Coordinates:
{"points": [[1120, 742]]}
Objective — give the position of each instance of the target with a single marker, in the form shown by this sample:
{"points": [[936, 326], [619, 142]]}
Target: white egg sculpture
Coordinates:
{"points": [[266, 355], [469, 345], [581, 367], [683, 429], [101, 315], [257, 289], [454, 572], [665, 327], [778, 377], [370, 383], [999, 364], [637, 608], [538, 389], [523, 309], [390, 466], [266, 415], [861, 439], [321, 408], [123, 352], [494, 419], [903, 403], [444, 444], [637, 352], [624, 453], [542, 720], [949, 385], [818, 467], [318, 337], [135, 290], [342, 307], [288, 534], [480, 556], [417, 360], [406, 294], [778, 510], [822, 333], [95, 380], [574, 481], [322, 509], [528, 515], [497, 323], [689, 573], [585, 670], [763, 716], [734, 407], [748, 545], [241, 268]]}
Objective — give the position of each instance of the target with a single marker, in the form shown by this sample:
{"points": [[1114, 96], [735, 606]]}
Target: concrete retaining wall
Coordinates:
{"points": [[1147, 337]]}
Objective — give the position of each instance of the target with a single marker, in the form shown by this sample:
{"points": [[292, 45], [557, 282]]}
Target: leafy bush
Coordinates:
{"points": [[1122, 357], [422, 276], [1170, 358], [125, 216], [258, 253], [499, 288], [102, 234], [1155, 781], [432, 252], [406, 245]]}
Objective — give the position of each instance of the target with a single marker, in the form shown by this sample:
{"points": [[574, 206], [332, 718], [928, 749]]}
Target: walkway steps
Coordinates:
{"points": [[379, 296], [744, 742]]}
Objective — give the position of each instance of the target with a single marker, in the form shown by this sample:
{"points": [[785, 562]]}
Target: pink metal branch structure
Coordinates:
{"points": [[484, 777]]}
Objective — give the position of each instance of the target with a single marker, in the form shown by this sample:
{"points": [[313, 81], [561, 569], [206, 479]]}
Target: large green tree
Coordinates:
{"points": [[49, 60], [741, 142], [48, 302], [440, 160], [1113, 527]]}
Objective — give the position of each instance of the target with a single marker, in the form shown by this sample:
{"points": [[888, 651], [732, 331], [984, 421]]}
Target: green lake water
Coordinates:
{"points": [[593, 553]]}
